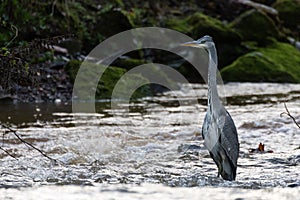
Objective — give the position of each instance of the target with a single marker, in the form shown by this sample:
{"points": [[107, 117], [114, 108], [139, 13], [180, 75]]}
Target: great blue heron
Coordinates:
{"points": [[218, 130]]}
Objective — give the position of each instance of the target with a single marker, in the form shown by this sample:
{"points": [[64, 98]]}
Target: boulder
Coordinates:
{"points": [[228, 41], [256, 26], [112, 22], [278, 62], [108, 80], [202, 24], [112, 75]]}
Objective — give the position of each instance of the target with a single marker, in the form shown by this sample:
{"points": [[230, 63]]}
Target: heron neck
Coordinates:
{"points": [[213, 97]]}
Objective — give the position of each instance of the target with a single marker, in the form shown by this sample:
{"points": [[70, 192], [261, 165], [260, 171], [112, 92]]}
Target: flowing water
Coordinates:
{"points": [[155, 150]]}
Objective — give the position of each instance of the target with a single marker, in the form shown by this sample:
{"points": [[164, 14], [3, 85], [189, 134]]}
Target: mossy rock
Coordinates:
{"points": [[108, 80], [128, 63], [256, 26], [278, 62], [227, 40], [205, 25], [191, 73], [200, 24], [149, 71], [112, 22], [289, 12]]}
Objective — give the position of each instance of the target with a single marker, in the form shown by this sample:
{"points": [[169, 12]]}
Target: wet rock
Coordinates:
{"points": [[6, 98], [278, 62], [188, 147], [256, 26], [296, 184], [189, 151]]}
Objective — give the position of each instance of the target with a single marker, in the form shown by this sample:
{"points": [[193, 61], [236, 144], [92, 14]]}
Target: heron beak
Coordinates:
{"points": [[193, 44]]}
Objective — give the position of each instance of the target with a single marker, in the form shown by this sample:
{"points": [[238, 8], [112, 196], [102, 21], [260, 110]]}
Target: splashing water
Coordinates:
{"points": [[158, 143]]}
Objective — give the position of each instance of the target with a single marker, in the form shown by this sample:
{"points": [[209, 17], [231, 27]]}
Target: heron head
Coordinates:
{"points": [[205, 42]]}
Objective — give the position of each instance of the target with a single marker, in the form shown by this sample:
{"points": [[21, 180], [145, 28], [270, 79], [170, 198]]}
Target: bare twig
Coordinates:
{"points": [[289, 114], [15, 29], [14, 132], [1, 148], [258, 6], [53, 7]]}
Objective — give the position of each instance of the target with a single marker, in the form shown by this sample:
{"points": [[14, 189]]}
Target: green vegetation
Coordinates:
{"points": [[278, 62], [129, 63], [256, 26], [200, 24], [109, 79], [45, 19], [204, 25], [228, 40], [251, 44]]}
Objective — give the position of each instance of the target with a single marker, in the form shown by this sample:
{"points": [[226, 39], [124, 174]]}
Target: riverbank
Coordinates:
{"points": [[254, 42]]}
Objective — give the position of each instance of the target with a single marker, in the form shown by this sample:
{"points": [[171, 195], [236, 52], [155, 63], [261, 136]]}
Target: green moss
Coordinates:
{"points": [[72, 68], [228, 41], [200, 24], [255, 26], [278, 62], [128, 63], [177, 24], [205, 25], [135, 16], [108, 80]]}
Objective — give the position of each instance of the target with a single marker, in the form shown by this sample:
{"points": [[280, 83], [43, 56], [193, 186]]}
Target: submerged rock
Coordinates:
{"points": [[278, 62]]}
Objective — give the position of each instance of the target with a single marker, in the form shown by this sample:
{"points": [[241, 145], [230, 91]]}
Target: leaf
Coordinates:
{"points": [[261, 147]]}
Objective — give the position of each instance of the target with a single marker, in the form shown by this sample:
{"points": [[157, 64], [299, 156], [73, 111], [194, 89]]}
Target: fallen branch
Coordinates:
{"points": [[14, 132], [16, 31], [289, 114], [258, 6], [1, 148]]}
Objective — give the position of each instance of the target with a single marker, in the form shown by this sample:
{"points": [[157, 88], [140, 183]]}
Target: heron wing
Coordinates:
{"points": [[205, 126], [229, 139]]}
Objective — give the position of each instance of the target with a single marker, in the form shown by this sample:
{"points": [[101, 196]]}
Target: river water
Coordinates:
{"points": [[155, 150]]}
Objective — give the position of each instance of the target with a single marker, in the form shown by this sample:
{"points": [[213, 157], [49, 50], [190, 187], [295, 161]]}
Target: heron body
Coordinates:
{"points": [[218, 130]]}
